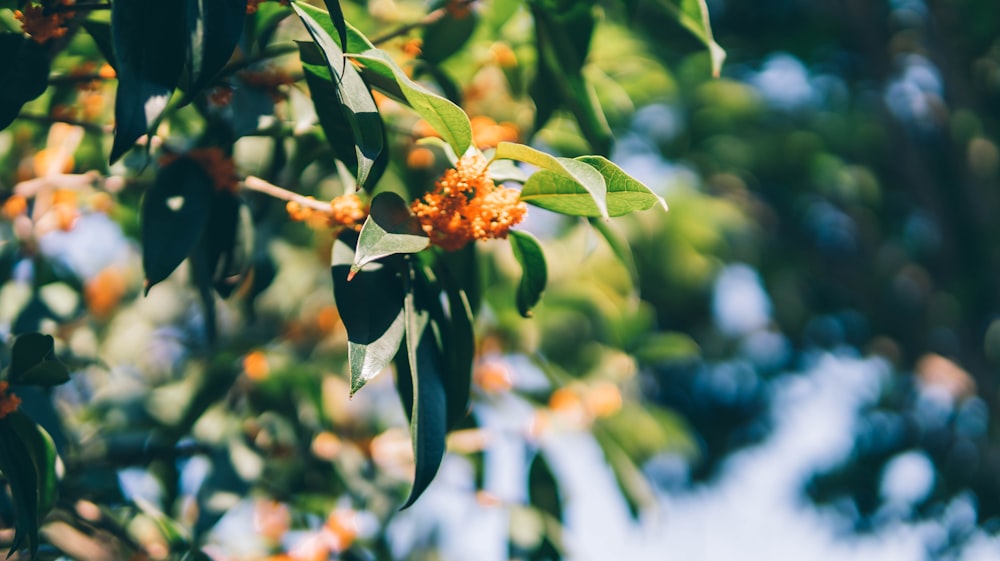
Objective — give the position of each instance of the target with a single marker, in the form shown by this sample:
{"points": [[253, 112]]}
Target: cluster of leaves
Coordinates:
{"points": [[403, 301]]}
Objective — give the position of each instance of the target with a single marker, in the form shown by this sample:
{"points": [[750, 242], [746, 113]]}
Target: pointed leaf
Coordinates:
{"points": [[573, 171], [389, 229], [558, 193], [444, 116], [461, 343], [625, 193], [428, 416], [534, 272], [150, 46], [355, 40], [356, 101], [213, 29], [24, 73], [174, 214], [330, 111], [371, 307], [33, 362]]}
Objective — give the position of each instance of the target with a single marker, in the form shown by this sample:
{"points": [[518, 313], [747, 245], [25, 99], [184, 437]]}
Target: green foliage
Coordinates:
{"points": [[211, 87]]}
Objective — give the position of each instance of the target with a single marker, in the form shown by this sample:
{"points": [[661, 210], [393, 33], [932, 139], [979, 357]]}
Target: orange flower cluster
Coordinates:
{"points": [[42, 26], [8, 401], [466, 205], [345, 211]]}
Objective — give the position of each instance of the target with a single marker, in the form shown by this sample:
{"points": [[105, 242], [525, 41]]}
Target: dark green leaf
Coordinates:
{"points": [[356, 41], [428, 417], [356, 101], [445, 36], [24, 73], [42, 451], [329, 109], [543, 488], [336, 15], [389, 229], [563, 40], [371, 307], [444, 116], [461, 345], [33, 361], [213, 29], [174, 214], [18, 464], [534, 272], [150, 45]]}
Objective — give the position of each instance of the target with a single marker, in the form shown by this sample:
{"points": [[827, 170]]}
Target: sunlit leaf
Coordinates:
{"points": [[371, 307], [560, 193], [534, 271], [356, 101], [174, 214], [389, 229], [448, 119], [150, 46], [573, 176]]}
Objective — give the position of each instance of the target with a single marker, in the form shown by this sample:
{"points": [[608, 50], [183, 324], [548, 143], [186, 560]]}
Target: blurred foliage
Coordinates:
{"points": [[845, 163]]}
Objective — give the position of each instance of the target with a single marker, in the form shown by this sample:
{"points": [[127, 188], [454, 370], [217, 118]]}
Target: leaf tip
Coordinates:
{"points": [[354, 271]]}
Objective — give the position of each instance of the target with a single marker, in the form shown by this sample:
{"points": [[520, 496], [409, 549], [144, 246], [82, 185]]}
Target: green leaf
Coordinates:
{"points": [[389, 229], [174, 214], [444, 116], [150, 46], [534, 272], [24, 73], [331, 21], [461, 343], [27, 460], [693, 16], [33, 362], [213, 29], [563, 32], [559, 193], [625, 193], [371, 307], [357, 104], [339, 120], [574, 175], [446, 35], [428, 415]]}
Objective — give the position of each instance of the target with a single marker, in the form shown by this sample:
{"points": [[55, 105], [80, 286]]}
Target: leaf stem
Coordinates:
{"points": [[261, 186]]}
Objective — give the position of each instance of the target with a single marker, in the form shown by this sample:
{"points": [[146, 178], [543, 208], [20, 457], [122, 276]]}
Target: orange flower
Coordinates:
{"points": [[347, 210], [104, 292], [8, 401], [42, 26], [466, 205], [255, 366], [14, 206]]}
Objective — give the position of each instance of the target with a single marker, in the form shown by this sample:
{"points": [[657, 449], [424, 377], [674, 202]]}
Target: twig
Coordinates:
{"points": [[257, 184]]}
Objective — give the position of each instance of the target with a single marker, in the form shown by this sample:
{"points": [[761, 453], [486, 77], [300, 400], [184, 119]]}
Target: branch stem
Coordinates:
{"points": [[261, 186]]}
